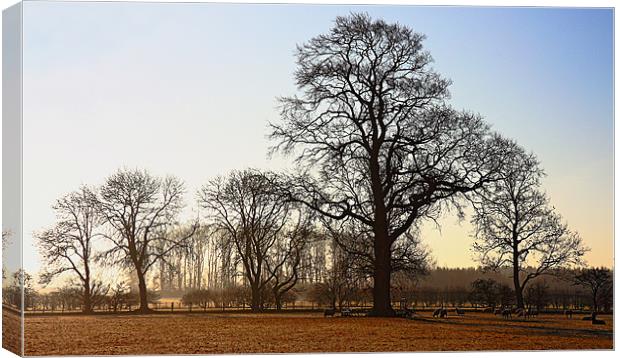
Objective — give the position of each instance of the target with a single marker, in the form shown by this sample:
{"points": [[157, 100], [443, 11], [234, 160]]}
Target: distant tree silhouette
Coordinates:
{"points": [[67, 247], [118, 296], [340, 281], [201, 298], [285, 265], [374, 138], [537, 295], [506, 295], [598, 281], [249, 209], [140, 208], [20, 289], [516, 227], [69, 297], [5, 243], [485, 292]]}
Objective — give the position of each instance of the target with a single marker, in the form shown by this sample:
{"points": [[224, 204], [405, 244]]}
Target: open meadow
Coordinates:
{"points": [[11, 330], [212, 333]]}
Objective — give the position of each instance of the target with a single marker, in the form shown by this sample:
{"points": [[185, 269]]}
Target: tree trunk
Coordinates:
{"points": [[87, 299], [256, 299], [515, 279], [594, 304], [278, 300], [519, 294], [381, 301], [144, 303]]}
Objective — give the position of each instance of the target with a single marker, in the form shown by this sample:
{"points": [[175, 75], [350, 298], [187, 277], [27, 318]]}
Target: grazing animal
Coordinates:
{"points": [[507, 313], [405, 313], [345, 312], [595, 320], [568, 313], [460, 312], [409, 312], [437, 312], [359, 312], [531, 313], [519, 312], [444, 313], [329, 312]]}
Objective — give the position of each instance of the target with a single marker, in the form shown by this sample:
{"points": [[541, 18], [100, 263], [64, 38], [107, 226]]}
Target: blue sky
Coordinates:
{"points": [[188, 89]]}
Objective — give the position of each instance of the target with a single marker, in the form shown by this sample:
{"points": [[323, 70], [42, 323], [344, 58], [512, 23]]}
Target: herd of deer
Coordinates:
{"points": [[345, 312], [405, 313], [519, 312], [506, 313]]}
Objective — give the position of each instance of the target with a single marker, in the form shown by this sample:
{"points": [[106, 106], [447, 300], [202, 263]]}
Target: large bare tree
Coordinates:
{"points": [[141, 209], [67, 247], [374, 138], [515, 226]]}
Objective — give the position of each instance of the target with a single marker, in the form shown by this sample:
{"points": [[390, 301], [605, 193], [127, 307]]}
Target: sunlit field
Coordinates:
{"points": [[305, 332], [10, 330]]}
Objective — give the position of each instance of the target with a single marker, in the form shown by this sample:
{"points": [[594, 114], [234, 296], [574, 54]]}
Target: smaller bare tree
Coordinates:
{"points": [[67, 247], [140, 209], [285, 267], [516, 227], [598, 280], [484, 292], [247, 208]]}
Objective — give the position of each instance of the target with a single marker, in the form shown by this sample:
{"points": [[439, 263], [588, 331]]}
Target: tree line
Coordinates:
{"points": [[581, 289], [379, 152]]}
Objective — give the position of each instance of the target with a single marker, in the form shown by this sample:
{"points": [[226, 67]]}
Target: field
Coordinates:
{"points": [[11, 330], [310, 332]]}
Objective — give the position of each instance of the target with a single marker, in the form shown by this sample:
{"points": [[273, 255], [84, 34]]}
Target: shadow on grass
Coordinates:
{"points": [[557, 331]]}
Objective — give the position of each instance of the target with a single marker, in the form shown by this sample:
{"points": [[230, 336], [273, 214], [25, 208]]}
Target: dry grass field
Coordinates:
{"points": [[253, 333], [11, 330]]}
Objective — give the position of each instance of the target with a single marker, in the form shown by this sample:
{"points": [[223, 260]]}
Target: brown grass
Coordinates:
{"points": [[256, 333], [11, 330]]}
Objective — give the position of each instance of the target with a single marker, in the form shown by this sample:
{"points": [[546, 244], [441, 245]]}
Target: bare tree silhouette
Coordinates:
{"points": [[598, 280], [409, 255], [6, 234], [247, 208], [140, 208], [68, 245], [376, 139], [285, 265], [515, 226]]}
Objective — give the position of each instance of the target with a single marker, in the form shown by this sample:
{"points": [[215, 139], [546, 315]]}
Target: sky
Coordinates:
{"points": [[188, 89]]}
